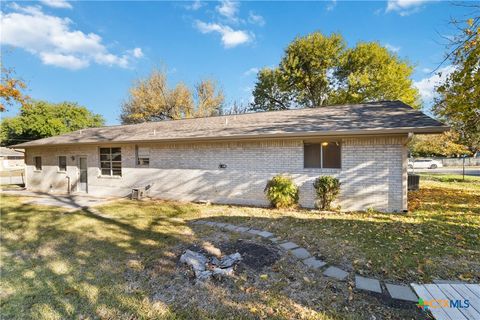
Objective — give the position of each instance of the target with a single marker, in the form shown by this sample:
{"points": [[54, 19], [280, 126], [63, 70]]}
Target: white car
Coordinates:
{"points": [[424, 164]]}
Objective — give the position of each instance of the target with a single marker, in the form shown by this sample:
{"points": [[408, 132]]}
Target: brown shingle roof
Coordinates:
{"points": [[366, 118]]}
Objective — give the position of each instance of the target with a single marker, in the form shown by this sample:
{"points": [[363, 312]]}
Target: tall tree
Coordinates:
{"points": [[270, 92], [442, 145], [12, 89], [317, 70], [152, 100], [209, 99], [458, 101], [307, 64], [41, 119], [369, 72]]}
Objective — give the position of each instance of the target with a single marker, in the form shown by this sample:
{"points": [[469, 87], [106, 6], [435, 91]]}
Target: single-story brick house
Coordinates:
{"points": [[228, 159]]}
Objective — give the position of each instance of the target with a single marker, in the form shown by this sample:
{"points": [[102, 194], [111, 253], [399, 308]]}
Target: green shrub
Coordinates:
{"points": [[327, 189], [282, 192]]}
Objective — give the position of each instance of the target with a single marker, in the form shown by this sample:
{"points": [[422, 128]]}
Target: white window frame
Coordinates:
{"points": [[110, 161], [144, 154]]}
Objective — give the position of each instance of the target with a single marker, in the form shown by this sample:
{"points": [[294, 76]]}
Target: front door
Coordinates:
{"points": [[83, 176]]}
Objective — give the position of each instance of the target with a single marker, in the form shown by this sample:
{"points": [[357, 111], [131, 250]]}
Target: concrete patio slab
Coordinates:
{"points": [[68, 202], [368, 284], [337, 273]]}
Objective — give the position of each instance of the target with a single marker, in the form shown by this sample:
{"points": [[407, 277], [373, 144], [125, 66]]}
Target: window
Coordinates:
{"points": [[111, 161], [38, 163], [143, 157], [322, 155], [62, 163]]}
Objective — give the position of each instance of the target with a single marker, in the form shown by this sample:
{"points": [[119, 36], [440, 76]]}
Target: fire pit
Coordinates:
{"points": [[205, 267]]}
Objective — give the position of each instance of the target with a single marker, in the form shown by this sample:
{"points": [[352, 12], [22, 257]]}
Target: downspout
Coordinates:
{"points": [[68, 184]]}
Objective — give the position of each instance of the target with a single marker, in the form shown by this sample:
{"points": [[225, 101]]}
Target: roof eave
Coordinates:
{"points": [[419, 130]]}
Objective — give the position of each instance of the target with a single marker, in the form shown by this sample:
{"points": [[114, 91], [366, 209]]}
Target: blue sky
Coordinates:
{"points": [[91, 52]]}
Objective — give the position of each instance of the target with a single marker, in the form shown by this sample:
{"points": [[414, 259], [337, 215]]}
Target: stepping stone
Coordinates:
{"points": [[265, 234], [289, 245], [275, 240], [254, 231], [401, 292], [367, 284], [242, 229], [300, 253], [230, 227], [313, 263], [337, 273], [221, 225]]}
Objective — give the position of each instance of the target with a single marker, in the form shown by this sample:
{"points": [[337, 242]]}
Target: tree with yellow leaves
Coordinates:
{"points": [[151, 99]]}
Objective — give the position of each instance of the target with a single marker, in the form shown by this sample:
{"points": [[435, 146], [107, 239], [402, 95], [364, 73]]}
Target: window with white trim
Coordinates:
{"points": [[111, 161], [325, 155], [143, 157]]}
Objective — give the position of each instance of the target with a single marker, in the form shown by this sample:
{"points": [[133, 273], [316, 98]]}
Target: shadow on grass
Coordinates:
{"points": [[78, 264], [63, 264]]}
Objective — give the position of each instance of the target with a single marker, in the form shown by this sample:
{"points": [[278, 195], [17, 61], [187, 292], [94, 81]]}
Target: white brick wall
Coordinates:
{"points": [[373, 173]]}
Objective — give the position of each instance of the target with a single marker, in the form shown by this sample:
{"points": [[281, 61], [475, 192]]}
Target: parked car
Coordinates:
{"points": [[424, 164]]}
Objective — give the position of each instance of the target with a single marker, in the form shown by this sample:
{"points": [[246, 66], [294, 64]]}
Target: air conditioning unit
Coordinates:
{"points": [[138, 193]]}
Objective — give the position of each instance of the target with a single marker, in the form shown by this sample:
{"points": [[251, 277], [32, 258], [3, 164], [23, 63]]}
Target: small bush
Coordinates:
{"points": [[327, 189], [282, 192]]}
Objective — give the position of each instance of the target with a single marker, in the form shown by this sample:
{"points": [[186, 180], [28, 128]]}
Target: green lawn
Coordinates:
{"points": [[124, 262]]}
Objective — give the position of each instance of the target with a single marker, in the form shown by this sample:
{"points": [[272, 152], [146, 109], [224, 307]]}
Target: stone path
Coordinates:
{"points": [[371, 285]]}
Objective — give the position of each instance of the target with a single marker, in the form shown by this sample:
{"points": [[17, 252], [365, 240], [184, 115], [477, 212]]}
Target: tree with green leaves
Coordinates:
{"points": [[318, 70], [440, 145], [41, 119], [458, 101], [271, 92], [369, 72], [151, 99]]}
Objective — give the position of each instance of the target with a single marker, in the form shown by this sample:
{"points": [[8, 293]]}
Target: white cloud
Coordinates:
{"points": [[331, 5], [256, 19], [427, 86], [230, 38], [137, 52], [405, 7], [251, 71], [228, 9], [195, 5], [426, 70], [60, 4], [392, 48], [53, 40]]}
